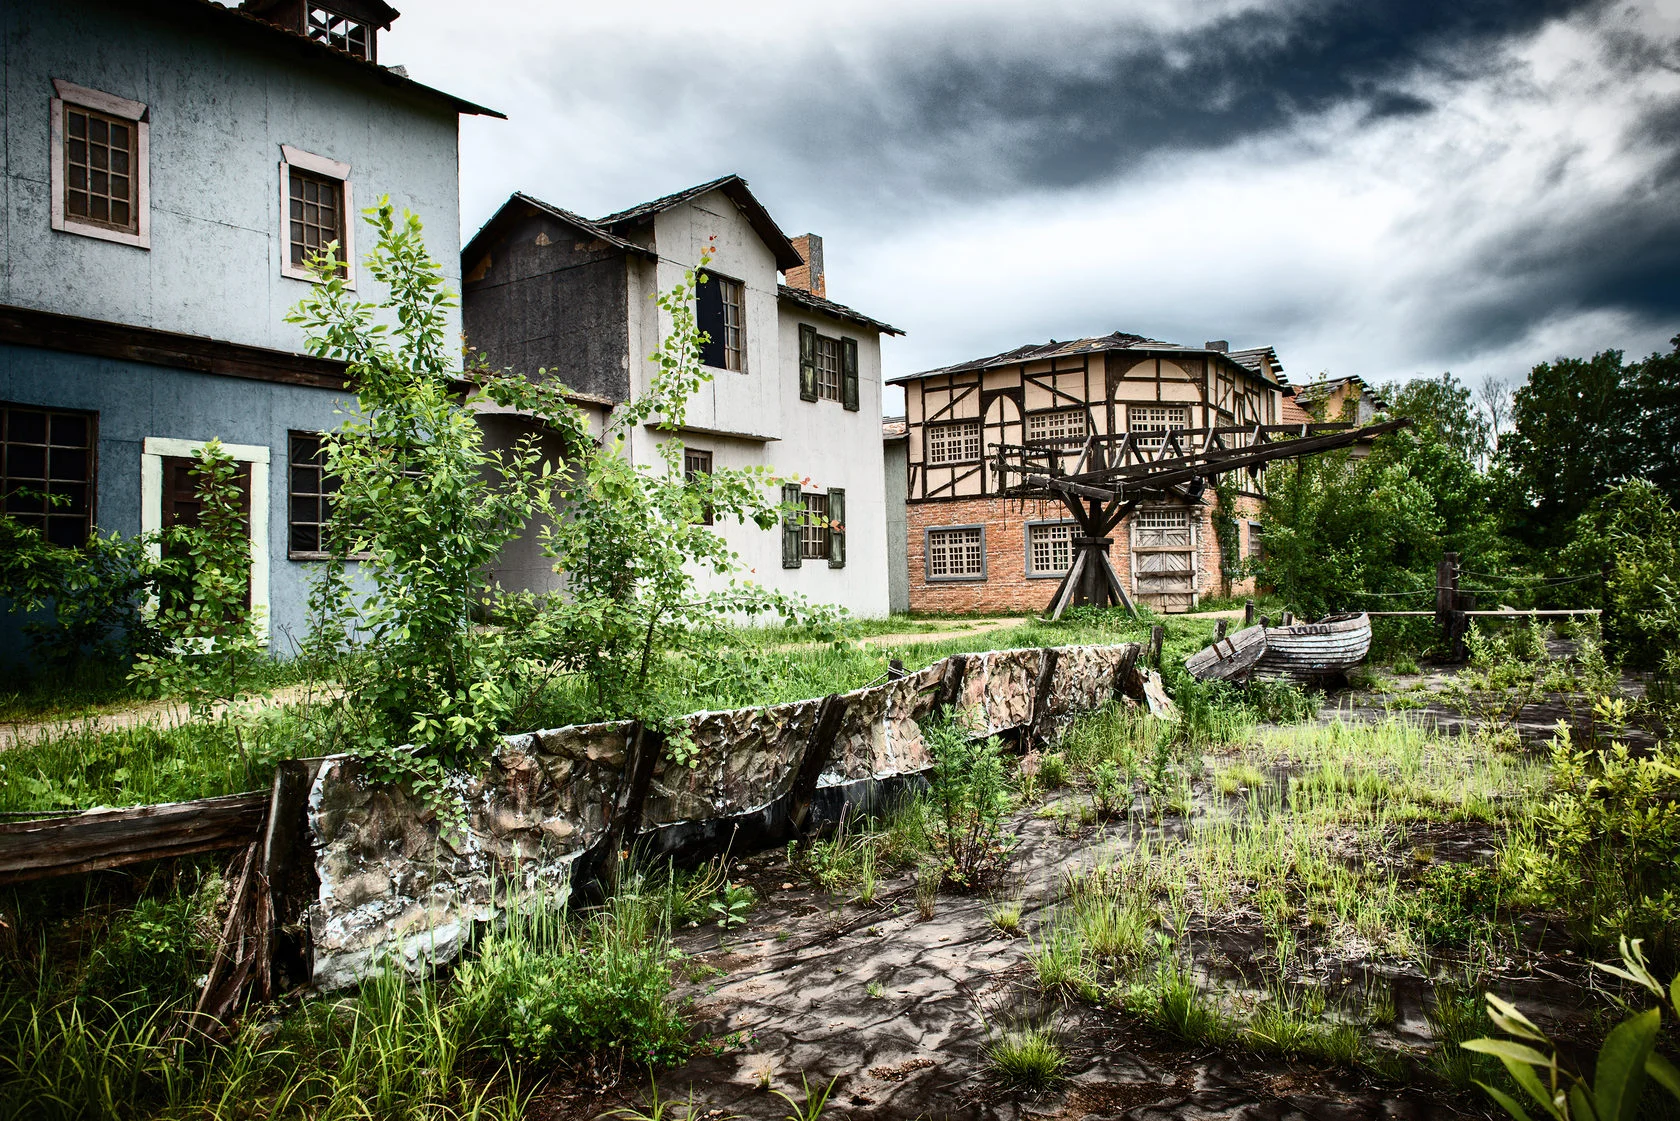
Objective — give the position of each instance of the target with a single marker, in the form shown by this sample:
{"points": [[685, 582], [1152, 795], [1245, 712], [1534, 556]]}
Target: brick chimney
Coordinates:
{"points": [[1220, 345], [809, 276]]}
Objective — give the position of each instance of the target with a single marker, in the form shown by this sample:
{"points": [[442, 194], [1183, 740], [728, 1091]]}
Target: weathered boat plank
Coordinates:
{"points": [[97, 839]]}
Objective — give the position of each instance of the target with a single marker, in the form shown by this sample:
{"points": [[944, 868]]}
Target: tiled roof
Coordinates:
{"points": [[895, 428], [828, 307], [1318, 390], [1256, 358], [1037, 352]]}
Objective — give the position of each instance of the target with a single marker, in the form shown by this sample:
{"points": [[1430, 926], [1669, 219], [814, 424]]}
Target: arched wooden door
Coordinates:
{"points": [[1001, 425]]}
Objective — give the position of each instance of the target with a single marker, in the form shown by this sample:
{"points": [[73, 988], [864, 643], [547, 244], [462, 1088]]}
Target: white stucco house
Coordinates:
{"points": [[796, 379]]}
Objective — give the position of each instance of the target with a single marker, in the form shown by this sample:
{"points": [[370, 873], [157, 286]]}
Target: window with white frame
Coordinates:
{"points": [[1162, 526], [100, 178], [814, 532], [352, 36], [721, 312], [956, 554], [1049, 548], [1061, 424], [1143, 419], [953, 442], [828, 368], [315, 200]]}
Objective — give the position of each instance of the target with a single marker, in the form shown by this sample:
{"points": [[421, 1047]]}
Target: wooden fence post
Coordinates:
{"points": [[1157, 636], [1219, 629], [1248, 613], [1450, 606]]}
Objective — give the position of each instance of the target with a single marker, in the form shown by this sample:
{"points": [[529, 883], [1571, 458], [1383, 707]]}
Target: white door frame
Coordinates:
{"points": [[152, 454]]}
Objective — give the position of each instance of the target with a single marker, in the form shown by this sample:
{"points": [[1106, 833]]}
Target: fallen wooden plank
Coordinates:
{"points": [[99, 839]]}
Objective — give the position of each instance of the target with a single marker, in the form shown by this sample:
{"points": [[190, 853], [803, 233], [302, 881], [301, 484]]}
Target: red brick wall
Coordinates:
{"points": [[1007, 587]]}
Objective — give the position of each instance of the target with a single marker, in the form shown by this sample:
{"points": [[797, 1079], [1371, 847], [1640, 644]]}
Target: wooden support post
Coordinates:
{"points": [[1219, 629], [1449, 607], [1287, 618], [824, 731], [1157, 636], [1248, 613]]}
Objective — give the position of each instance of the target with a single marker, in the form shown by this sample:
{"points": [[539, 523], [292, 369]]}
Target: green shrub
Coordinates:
{"points": [[154, 954], [1611, 858], [547, 988], [1281, 702], [969, 794], [1453, 904]]}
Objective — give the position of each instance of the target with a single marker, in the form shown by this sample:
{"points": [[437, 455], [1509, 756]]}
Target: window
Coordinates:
{"points": [[1049, 548], [1255, 551], [1155, 418], [721, 309], [316, 202], [813, 526], [698, 463], [1162, 526], [335, 30], [99, 166], [311, 494], [813, 539], [1062, 424], [46, 471], [956, 442], [958, 553], [828, 368]]}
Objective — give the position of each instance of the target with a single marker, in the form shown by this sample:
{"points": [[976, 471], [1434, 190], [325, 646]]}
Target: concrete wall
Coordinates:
{"points": [[898, 529], [219, 112], [135, 402]]}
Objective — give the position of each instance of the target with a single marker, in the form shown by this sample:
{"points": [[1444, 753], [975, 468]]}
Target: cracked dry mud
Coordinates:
{"points": [[790, 995]]}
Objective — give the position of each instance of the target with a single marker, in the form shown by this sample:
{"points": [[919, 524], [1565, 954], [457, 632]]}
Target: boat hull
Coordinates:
{"points": [[1313, 652]]}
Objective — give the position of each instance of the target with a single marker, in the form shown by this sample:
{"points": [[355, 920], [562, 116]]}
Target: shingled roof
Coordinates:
{"points": [[824, 306], [1038, 352], [781, 246], [1257, 358], [522, 205]]}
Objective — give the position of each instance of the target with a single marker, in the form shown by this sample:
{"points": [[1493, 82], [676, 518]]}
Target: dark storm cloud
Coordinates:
{"points": [[1063, 112]]}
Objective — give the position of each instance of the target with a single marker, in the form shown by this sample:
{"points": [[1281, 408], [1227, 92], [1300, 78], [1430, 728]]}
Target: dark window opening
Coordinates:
{"points": [[183, 507], [340, 31], [311, 493], [47, 471], [721, 312], [698, 463], [316, 217], [99, 182]]}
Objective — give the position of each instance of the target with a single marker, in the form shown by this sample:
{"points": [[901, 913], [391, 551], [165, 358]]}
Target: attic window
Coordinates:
{"points": [[721, 309], [340, 31]]}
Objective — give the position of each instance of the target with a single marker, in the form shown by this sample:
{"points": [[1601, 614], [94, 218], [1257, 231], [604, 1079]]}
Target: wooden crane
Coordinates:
{"points": [[1114, 474]]}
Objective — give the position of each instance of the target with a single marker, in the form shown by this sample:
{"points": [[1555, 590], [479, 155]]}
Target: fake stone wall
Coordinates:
{"points": [[399, 882]]}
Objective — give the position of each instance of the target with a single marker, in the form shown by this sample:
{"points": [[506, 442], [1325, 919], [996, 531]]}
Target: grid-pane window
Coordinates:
{"points": [[1255, 550], [335, 30], [315, 214], [734, 323], [46, 471], [1063, 424], [828, 368], [956, 554], [958, 442], [698, 463], [814, 531], [1162, 526], [99, 179], [1049, 549], [312, 493], [1144, 419]]}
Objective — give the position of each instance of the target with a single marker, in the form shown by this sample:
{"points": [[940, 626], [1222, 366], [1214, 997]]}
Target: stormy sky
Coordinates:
{"points": [[1384, 189]]}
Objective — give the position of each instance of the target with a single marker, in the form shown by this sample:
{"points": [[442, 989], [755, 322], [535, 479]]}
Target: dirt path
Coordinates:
{"points": [[896, 1008], [160, 714]]}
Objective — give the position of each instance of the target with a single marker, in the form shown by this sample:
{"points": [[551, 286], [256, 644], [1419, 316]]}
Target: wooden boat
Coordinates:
{"points": [[1308, 653], [1230, 658], [1314, 652]]}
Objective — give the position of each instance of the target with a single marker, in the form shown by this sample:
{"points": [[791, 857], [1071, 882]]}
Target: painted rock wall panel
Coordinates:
{"points": [[746, 758]]}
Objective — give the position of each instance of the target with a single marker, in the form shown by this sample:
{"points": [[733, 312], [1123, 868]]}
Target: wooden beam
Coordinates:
{"points": [[101, 839]]}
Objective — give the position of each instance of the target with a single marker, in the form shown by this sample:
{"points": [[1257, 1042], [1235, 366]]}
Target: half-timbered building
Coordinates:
{"points": [[973, 548]]}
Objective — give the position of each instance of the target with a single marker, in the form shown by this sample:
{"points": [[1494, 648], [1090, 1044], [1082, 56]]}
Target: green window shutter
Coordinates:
{"points": [[790, 526], [807, 362], [848, 374], [837, 534]]}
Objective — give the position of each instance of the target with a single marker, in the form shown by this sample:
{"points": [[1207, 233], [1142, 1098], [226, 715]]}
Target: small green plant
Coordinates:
{"points": [[812, 1102], [1111, 795], [1006, 916], [1405, 664], [927, 890], [1627, 1058], [969, 795], [1029, 1058], [732, 905], [1240, 778], [1053, 771], [1059, 961], [874, 990], [656, 1107]]}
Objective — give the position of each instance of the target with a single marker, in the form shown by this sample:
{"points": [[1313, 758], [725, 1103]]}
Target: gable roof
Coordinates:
{"points": [[1036, 352], [1318, 390], [243, 25], [1257, 358], [816, 303], [521, 205], [787, 257]]}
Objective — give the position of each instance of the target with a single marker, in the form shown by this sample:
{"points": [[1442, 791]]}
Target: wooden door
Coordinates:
{"points": [[181, 505], [1001, 425], [1164, 558]]}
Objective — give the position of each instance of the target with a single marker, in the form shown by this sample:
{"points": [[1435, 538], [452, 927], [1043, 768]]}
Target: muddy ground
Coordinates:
{"points": [[899, 1010]]}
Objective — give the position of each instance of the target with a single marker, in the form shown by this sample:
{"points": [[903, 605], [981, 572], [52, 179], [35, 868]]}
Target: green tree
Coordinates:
{"points": [[1625, 553]]}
